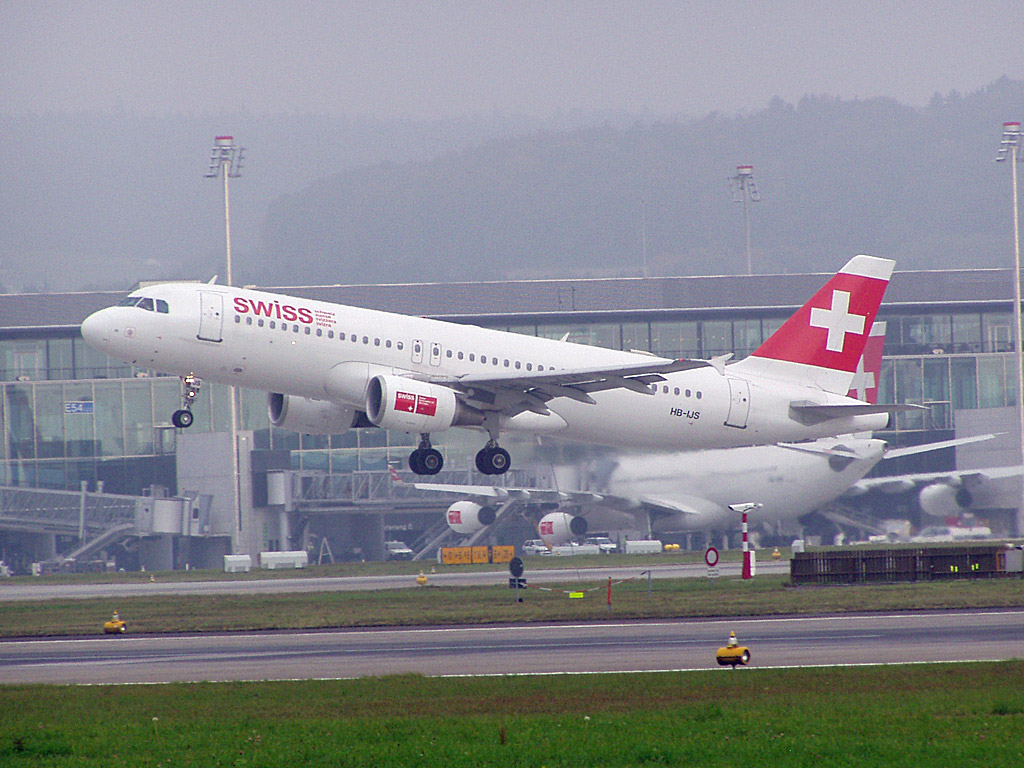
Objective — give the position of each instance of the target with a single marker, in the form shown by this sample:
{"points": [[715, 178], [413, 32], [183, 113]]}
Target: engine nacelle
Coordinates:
{"points": [[944, 501], [556, 528], [469, 517], [311, 417], [396, 402]]}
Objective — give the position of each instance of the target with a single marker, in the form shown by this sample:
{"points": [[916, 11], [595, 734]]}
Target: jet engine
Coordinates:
{"points": [[944, 501], [409, 405], [311, 417], [556, 528], [469, 517]]}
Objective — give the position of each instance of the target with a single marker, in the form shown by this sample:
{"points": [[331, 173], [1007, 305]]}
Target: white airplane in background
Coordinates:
{"points": [[690, 491], [329, 368]]}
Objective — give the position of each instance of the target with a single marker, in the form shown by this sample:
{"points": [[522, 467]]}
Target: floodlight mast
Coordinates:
{"points": [[1010, 148], [226, 160], [744, 190]]}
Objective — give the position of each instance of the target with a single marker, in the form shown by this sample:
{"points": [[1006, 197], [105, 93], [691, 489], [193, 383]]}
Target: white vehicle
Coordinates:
{"points": [[605, 545], [397, 550], [329, 368], [535, 547]]}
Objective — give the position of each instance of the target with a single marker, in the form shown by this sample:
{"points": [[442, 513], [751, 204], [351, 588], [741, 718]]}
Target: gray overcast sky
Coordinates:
{"points": [[445, 59]]}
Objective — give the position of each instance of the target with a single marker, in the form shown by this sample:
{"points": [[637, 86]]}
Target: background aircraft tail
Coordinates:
{"points": [[822, 343], [869, 370]]}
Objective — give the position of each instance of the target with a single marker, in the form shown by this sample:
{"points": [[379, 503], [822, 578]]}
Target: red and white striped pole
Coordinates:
{"points": [[743, 509]]}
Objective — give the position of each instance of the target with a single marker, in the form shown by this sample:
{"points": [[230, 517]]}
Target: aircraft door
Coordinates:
{"points": [[435, 353], [211, 315], [739, 403], [417, 351]]}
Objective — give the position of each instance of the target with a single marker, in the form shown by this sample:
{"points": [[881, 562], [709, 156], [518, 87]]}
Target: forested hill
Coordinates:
{"points": [[836, 178]]}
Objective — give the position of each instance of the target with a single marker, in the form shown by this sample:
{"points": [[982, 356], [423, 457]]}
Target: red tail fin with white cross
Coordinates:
{"points": [[822, 343], [869, 369]]}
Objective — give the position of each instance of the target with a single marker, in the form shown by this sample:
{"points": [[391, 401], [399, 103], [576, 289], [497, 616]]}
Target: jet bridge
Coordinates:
{"points": [[95, 519]]}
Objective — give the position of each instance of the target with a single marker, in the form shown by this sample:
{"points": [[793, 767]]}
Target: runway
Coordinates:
{"points": [[445, 578], [533, 649]]}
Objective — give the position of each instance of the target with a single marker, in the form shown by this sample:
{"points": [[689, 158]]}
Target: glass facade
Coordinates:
{"points": [[69, 414]]}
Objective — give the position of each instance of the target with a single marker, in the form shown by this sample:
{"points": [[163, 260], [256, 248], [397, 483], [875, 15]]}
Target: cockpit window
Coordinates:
{"points": [[159, 305]]}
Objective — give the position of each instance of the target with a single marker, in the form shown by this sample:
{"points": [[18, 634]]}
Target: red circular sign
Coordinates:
{"points": [[711, 557]]}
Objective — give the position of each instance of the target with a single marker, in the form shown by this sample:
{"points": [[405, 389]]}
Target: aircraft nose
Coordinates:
{"points": [[96, 329]]}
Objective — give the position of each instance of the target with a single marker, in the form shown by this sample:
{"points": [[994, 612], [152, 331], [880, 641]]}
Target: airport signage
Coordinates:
{"points": [[78, 406]]}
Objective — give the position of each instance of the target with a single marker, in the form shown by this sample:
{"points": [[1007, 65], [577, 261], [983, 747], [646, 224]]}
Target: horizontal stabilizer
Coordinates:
{"points": [[895, 453], [813, 413]]}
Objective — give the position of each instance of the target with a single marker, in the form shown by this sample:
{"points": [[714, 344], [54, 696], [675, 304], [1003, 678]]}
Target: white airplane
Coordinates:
{"points": [[695, 490], [329, 368]]}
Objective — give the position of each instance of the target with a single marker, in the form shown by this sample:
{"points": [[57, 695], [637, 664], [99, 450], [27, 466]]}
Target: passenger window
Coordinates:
{"points": [[307, 330], [676, 391], [295, 329], [460, 355], [319, 331], [506, 362], [698, 394], [353, 338], [238, 318], [330, 334], [529, 366], [376, 342], [448, 353], [273, 324], [400, 345], [248, 320], [260, 322], [366, 339], [387, 344], [518, 365], [472, 357]]}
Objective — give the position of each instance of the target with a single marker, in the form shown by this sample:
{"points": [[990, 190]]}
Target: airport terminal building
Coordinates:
{"points": [[75, 422]]}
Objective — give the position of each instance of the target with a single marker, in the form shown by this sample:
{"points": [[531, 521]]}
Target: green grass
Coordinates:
{"points": [[670, 598], [923, 715]]}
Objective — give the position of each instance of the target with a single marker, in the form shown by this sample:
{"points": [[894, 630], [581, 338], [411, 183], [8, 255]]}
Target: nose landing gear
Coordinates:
{"points": [[190, 385]]}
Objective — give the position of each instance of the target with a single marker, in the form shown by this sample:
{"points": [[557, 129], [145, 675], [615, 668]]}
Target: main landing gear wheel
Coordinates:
{"points": [[492, 460], [425, 460]]}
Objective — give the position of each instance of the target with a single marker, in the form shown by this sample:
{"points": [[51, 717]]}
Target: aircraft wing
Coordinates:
{"points": [[487, 493], [513, 393], [966, 478]]}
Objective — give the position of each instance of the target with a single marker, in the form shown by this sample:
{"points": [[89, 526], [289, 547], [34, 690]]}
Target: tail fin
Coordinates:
{"points": [[821, 344], [869, 369]]}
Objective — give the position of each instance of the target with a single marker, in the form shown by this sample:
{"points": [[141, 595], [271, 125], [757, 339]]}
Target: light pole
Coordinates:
{"points": [[744, 190], [1010, 147], [226, 161]]}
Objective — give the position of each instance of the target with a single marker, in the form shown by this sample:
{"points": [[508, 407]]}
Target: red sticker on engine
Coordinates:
{"points": [[405, 402], [426, 406]]}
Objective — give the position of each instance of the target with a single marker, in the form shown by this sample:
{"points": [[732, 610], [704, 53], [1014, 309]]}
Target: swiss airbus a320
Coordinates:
{"points": [[329, 368]]}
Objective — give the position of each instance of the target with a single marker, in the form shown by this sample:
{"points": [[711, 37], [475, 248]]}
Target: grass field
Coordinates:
{"points": [[921, 715], [670, 598]]}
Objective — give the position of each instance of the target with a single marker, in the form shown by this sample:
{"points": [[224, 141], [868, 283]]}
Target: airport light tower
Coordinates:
{"points": [[226, 161], [1010, 148], [744, 190]]}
